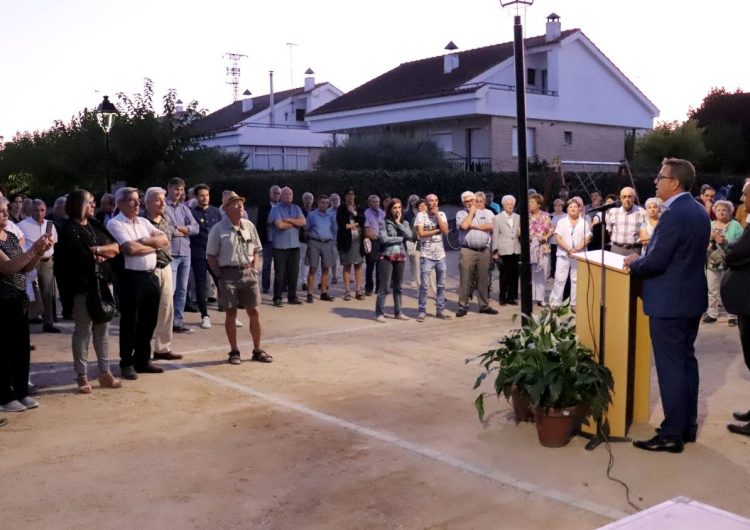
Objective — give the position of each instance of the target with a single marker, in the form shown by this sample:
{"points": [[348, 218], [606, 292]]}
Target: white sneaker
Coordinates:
{"points": [[239, 323], [29, 403], [380, 318], [206, 323], [13, 406]]}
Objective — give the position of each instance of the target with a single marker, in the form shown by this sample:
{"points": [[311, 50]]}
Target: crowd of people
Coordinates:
{"points": [[166, 251]]}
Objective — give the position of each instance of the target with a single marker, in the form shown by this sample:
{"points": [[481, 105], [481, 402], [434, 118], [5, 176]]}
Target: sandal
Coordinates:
{"points": [[360, 295], [83, 385], [109, 381], [347, 296], [261, 356], [234, 357]]}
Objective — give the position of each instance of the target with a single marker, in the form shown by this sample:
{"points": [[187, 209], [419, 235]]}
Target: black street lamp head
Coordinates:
{"points": [[506, 3], [106, 113]]}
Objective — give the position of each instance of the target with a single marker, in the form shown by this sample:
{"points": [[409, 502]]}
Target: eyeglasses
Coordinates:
{"points": [[662, 177]]}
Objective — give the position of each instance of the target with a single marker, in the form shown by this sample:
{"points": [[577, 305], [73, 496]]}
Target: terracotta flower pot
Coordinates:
{"points": [[556, 427], [521, 405]]}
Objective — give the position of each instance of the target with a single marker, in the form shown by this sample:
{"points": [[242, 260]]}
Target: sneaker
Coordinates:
{"points": [[420, 317], [380, 318], [13, 406], [206, 323], [309, 298], [29, 403], [239, 323], [708, 319], [180, 328], [401, 316], [326, 297]]}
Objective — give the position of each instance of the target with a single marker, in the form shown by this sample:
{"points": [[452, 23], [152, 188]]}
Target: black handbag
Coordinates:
{"points": [[100, 301], [735, 291]]}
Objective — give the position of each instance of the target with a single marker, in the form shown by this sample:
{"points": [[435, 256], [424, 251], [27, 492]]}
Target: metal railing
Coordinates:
{"points": [[473, 164]]}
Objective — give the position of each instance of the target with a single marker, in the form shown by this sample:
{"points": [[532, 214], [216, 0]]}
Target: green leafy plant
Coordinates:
{"points": [[545, 360]]}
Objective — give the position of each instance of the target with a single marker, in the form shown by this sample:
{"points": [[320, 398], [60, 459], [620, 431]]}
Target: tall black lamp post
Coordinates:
{"points": [[106, 113], [523, 164]]}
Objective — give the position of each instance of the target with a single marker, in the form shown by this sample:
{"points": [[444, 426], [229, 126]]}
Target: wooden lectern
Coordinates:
{"points": [[627, 343]]}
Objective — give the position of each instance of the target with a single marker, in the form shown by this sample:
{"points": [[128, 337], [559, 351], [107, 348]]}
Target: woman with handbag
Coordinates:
{"points": [[735, 295], [85, 248], [725, 231], [394, 233]]}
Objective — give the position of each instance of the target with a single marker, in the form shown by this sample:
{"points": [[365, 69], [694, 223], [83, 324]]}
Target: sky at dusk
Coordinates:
{"points": [[60, 56]]}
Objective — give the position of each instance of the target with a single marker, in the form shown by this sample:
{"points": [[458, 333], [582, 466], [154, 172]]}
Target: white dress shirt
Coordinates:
{"points": [[32, 231], [124, 230]]}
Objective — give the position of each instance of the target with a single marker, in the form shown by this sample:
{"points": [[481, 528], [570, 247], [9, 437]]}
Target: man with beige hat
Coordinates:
{"points": [[233, 251]]}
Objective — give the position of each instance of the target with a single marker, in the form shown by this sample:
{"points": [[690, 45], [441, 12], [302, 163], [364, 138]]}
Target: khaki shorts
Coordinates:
{"points": [[239, 287]]}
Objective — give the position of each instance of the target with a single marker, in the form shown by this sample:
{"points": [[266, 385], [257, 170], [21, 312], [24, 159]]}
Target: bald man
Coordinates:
{"points": [[624, 224]]}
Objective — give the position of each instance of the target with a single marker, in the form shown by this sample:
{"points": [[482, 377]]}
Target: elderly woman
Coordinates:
{"points": [[84, 243], [540, 230], [725, 231], [506, 231], [558, 212], [395, 231], [653, 212], [349, 237], [14, 321], [573, 233]]}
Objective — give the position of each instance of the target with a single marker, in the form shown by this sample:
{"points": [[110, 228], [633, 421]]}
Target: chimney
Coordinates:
{"points": [[247, 101], [450, 59], [309, 80], [270, 98], [553, 28]]}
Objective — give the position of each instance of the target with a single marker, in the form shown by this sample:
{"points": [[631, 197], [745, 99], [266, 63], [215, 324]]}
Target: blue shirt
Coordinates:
{"points": [[321, 226], [179, 215], [289, 237]]}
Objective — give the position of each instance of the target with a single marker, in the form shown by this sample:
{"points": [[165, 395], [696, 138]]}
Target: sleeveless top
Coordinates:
{"points": [[12, 286]]}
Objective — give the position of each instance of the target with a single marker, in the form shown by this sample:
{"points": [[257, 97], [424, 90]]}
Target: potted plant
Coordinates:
{"points": [[545, 361]]}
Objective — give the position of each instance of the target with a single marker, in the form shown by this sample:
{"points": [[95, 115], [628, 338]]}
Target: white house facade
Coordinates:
{"points": [[579, 104]]}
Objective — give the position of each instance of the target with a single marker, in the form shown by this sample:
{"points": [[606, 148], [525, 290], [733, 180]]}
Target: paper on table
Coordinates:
{"points": [[615, 261]]}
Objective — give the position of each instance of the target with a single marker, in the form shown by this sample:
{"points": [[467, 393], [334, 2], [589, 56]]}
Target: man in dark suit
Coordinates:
{"points": [[675, 295]]}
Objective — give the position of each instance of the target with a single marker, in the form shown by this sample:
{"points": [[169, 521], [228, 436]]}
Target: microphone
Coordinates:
{"points": [[605, 207]]}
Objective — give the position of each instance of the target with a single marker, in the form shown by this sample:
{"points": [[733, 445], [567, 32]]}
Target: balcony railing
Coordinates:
{"points": [[508, 88], [473, 164]]}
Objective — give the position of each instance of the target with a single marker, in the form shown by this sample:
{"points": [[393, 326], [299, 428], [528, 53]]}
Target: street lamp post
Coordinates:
{"points": [[523, 163], [106, 113]]}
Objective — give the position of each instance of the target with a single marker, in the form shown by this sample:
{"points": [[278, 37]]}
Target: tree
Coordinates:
{"points": [[387, 151], [671, 139]]}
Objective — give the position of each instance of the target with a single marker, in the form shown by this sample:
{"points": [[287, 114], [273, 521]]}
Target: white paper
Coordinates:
{"points": [[612, 260]]}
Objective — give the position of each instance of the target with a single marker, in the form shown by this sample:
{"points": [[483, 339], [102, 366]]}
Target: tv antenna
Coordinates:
{"points": [[291, 61], [233, 72]]}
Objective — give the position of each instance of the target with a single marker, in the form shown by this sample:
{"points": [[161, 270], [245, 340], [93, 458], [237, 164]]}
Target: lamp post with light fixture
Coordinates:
{"points": [[523, 163], [106, 113]]}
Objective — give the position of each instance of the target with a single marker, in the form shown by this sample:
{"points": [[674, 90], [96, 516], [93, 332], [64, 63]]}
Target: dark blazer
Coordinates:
{"points": [[674, 265], [735, 295], [344, 236], [262, 223]]}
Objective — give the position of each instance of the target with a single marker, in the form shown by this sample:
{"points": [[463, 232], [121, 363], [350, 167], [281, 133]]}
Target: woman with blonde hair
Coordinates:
{"points": [[653, 212]]}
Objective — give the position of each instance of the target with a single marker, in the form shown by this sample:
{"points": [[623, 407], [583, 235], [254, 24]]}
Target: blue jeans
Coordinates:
{"points": [[180, 274], [426, 266]]}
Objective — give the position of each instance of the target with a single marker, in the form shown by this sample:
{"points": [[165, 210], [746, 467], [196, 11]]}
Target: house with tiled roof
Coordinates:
{"points": [[272, 129], [579, 104]]}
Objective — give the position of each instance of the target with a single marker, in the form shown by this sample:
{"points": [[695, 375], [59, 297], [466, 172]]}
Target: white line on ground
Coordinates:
{"points": [[423, 450]]}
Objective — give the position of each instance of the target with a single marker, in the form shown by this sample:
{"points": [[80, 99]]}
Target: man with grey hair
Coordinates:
{"points": [[138, 286], [624, 224], [475, 237], [431, 226], [266, 235], [156, 204], [286, 218], [373, 216], [33, 228]]}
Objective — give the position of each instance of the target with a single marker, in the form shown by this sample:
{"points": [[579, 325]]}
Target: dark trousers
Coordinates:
{"points": [[285, 272], [15, 352], [673, 340], [267, 264], [139, 309], [200, 269], [509, 277], [391, 274], [743, 323], [371, 267]]}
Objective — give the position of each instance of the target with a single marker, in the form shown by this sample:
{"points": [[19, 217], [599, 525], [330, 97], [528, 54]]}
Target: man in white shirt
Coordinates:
{"points": [[138, 286], [431, 226], [33, 228]]}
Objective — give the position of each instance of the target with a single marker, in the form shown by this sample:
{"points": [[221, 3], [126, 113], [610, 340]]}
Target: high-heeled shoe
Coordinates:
{"points": [[83, 385], [109, 381]]}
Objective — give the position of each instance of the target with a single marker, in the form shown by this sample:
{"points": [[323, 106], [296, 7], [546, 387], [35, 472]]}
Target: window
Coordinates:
{"points": [[444, 141], [544, 80], [530, 142], [276, 158], [530, 77], [300, 114], [568, 137]]}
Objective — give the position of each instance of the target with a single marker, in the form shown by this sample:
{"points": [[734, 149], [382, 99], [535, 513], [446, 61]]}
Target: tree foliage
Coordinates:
{"points": [[392, 152], [671, 139]]}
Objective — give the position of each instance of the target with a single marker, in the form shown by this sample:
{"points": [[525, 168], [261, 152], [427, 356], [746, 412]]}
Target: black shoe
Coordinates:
{"points": [[513, 302], [149, 368], [167, 356], [461, 312], [739, 429], [277, 302], [304, 287], [309, 299], [741, 416], [708, 320], [368, 293], [687, 437], [295, 301], [67, 316], [191, 309], [129, 373], [49, 328], [181, 329], [659, 444], [36, 320], [326, 297], [211, 300], [488, 311]]}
